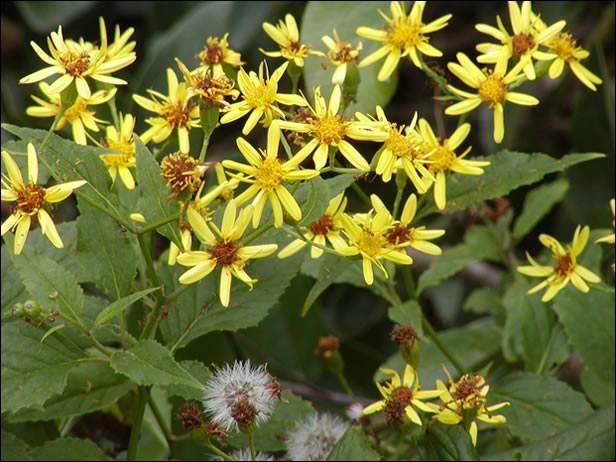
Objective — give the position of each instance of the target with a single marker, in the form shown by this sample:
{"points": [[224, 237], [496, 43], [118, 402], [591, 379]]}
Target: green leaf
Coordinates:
{"points": [[13, 448], [589, 322], [540, 406], [270, 436], [409, 313], [507, 171], [150, 363], [120, 305], [108, 254], [537, 204], [485, 300], [590, 439], [353, 445], [91, 386], [44, 17], [68, 449], [199, 371], [32, 371], [316, 202], [153, 191], [318, 20], [13, 289], [42, 276], [450, 442]]}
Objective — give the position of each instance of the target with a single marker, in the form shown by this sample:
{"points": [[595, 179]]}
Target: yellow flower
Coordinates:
{"points": [[523, 44], [610, 237], [400, 397], [403, 36], [30, 200], [260, 93], [76, 61], [370, 241], [209, 85], [77, 115], [328, 128], [491, 89], [215, 53], [121, 141], [566, 268], [340, 54], [326, 227], [227, 252], [468, 393], [400, 235], [402, 150], [186, 237], [174, 111], [267, 173], [286, 35], [443, 158]]}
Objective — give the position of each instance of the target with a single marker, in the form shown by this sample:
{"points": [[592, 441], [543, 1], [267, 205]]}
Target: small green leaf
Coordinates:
{"points": [[120, 305], [450, 442], [150, 363], [68, 449], [32, 371], [537, 204], [409, 313], [353, 445]]}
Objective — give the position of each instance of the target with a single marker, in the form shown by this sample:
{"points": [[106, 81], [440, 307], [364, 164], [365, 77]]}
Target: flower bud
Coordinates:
{"points": [[18, 310], [32, 309]]}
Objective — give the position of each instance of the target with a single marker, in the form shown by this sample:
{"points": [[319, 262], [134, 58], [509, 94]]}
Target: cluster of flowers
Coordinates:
{"points": [[320, 129]]}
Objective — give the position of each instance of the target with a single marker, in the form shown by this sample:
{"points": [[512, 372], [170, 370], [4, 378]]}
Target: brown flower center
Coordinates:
{"points": [[323, 225], [520, 44], [181, 172], [403, 334], [212, 53], [564, 266], [224, 252], [176, 115], [30, 198], [398, 234], [75, 65], [394, 411], [465, 388], [244, 413]]}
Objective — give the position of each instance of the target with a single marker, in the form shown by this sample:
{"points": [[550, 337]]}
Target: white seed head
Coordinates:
{"points": [[244, 454], [354, 411], [314, 437], [240, 383]]}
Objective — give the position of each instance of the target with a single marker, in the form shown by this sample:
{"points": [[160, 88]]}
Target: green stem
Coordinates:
{"points": [[139, 409], [163, 426], [257, 232], [156, 224], [220, 452], [206, 142], [51, 129], [150, 328], [114, 113], [178, 293], [440, 345], [251, 445], [409, 282], [362, 195], [345, 385]]}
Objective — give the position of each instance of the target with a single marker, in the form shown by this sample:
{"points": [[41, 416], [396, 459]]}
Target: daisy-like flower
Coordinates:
{"points": [[121, 141], [444, 158], [403, 36], [182, 171], [401, 149], [328, 128], [78, 115], [30, 200], [229, 185], [210, 85], [174, 110], [227, 252], [524, 44], [399, 397], [314, 436], [324, 228], [286, 35], [401, 235], [466, 394], [491, 89], [370, 241], [240, 395], [566, 268], [260, 93], [76, 61], [267, 173], [340, 54], [120, 47], [215, 53]]}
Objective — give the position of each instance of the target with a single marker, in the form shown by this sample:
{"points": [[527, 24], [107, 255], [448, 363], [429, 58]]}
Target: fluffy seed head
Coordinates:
{"points": [[314, 437]]}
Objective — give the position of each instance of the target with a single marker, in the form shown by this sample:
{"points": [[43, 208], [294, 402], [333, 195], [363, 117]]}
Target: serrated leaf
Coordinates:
{"points": [[319, 18], [150, 363], [108, 254], [32, 371], [120, 305], [68, 449], [589, 439], [353, 445], [507, 171], [199, 371], [537, 204], [13, 448], [540, 406], [270, 436], [91, 386], [409, 313], [153, 192], [450, 442]]}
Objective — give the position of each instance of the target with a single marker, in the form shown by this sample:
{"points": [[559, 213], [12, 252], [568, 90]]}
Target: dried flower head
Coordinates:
{"points": [[189, 416], [327, 345], [181, 172], [314, 437]]}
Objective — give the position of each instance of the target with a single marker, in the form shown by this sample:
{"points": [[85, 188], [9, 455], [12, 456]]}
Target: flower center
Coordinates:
{"points": [[492, 90], [176, 115], [269, 174], [244, 413], [323, 225], [181, 172], [398, 144], [564, 266], [75, 111], [370, 243], [342, 54], [402, 394], [398, 234], [403, 34], [394, 411], [441, 159], [30, 198], [520, 44], [329, 129], [466, 388], [212, 53], [564, 46], [224, 252], [115, 160], [125, 147], [75, 65], [262, 96]]}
